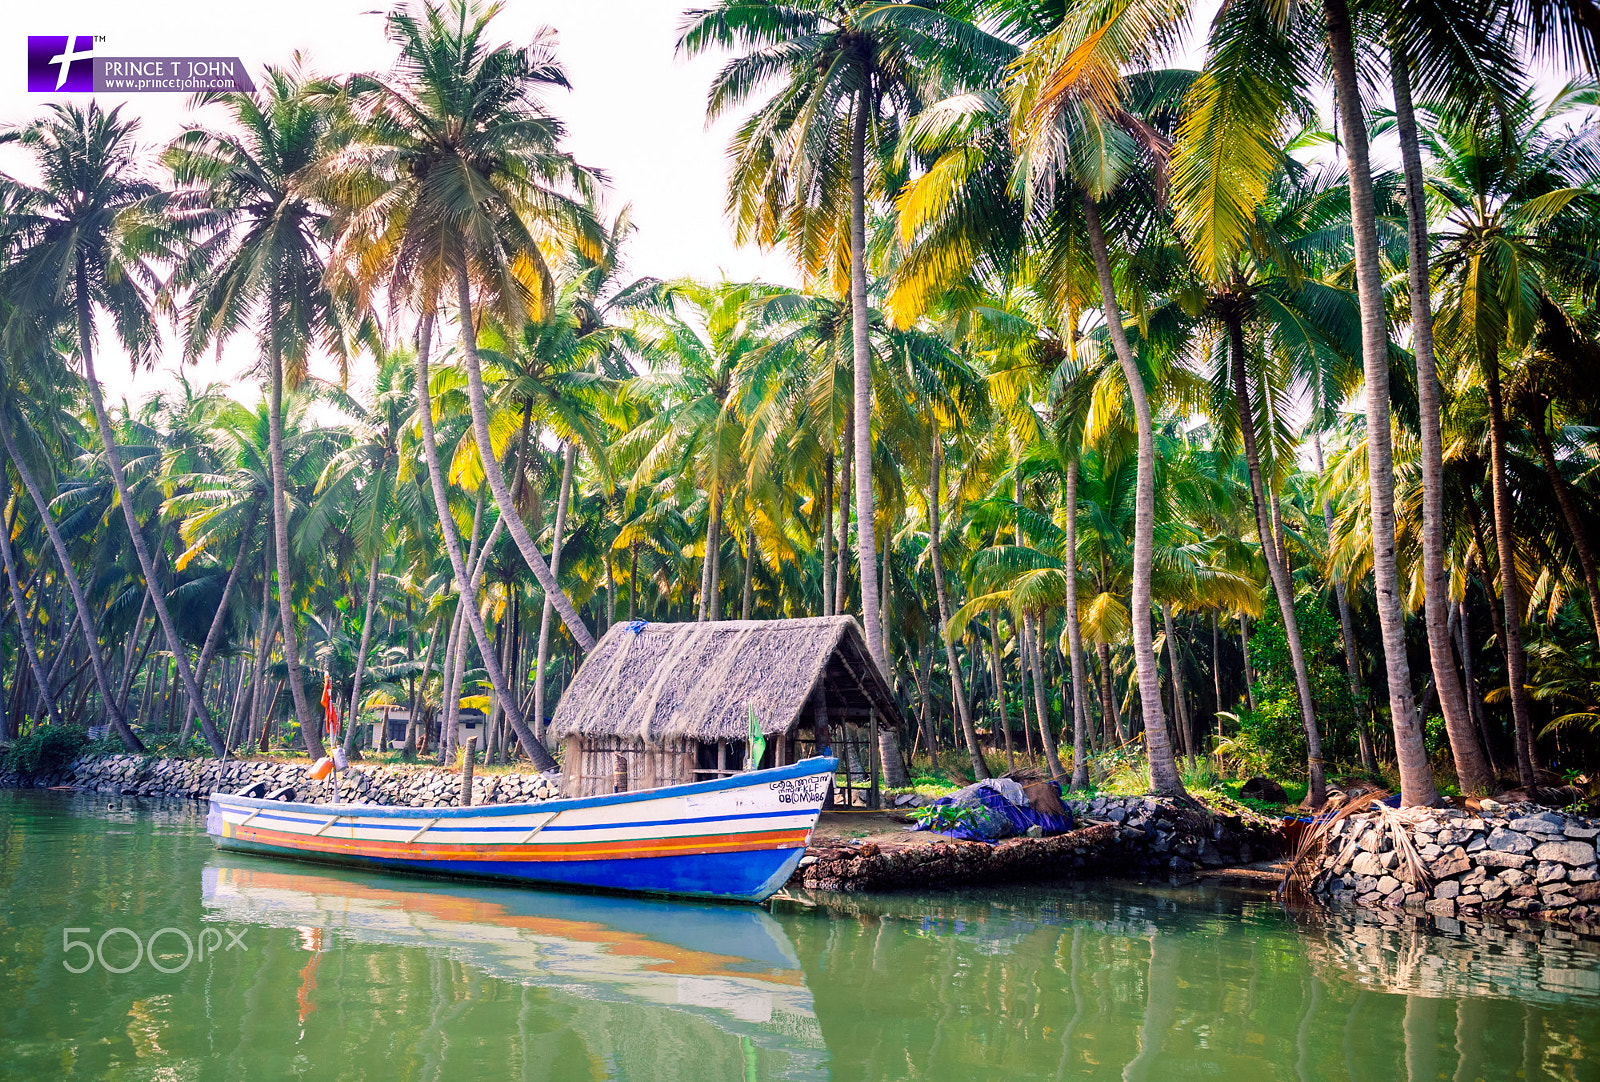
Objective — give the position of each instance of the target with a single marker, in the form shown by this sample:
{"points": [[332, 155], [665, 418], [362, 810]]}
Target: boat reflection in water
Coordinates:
{"points": [[632, 966]]}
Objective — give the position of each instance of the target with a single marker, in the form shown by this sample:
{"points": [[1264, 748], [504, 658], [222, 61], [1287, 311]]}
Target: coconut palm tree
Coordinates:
{"points": [[1519, 214], [842, 77], [92, 229], [455, 182], [263, 265]]}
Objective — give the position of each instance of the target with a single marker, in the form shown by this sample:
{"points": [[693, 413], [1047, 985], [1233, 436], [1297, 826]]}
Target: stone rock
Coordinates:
{"points": [[1388, 884], [1571, 853], [1543, 823], [1493, 889], [1581, 875], [1448, 866], [1502, 840], [1441, 907], [1586, 892], [1577, 830], [1549, 873], [1513, 878], [1447, 889], [1365, 864], [1494, 859]]}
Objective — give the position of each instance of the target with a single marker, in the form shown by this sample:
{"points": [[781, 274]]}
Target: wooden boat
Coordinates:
{"points": [[734, 839]]}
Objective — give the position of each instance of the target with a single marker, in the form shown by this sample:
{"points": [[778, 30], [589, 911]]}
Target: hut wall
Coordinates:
{"points": [[590, 766]]}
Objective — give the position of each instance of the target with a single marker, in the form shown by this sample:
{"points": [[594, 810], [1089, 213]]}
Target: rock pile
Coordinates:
{"points": [[1161, 836], [196, 779], [1520, 859], [1116, 835]]}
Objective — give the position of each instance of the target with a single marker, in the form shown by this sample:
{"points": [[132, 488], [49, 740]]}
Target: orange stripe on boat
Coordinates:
{"points": [[617, 850]]}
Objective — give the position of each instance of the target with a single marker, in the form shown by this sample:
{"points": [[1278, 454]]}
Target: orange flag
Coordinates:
{"points": [[330, 716]]}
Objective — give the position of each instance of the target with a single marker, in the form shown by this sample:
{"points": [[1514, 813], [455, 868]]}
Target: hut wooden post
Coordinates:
{"points": [[619, 774], [466, 771]]}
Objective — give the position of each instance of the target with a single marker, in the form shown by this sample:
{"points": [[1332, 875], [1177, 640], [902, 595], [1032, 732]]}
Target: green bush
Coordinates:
{"points": [[45, 749], [1271, 735]]}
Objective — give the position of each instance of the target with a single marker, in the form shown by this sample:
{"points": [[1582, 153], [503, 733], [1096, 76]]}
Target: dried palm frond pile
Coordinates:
{"points": [[1043, 797], [1396, 822]]}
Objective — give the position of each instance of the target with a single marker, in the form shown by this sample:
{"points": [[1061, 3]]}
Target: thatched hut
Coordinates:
{"points": [[671, 703]]}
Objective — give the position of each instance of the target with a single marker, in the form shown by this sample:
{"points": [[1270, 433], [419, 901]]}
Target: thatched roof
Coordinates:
{"points": [[658, 681]]}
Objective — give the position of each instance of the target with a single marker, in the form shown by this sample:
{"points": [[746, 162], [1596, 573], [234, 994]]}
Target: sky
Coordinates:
{"points": [[636, 112]]}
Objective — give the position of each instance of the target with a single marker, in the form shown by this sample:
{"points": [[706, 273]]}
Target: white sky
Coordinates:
{"points": [[635, 111]]}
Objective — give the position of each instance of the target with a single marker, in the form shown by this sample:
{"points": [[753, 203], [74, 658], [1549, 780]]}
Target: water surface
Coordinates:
{"points": [[267, 969]]}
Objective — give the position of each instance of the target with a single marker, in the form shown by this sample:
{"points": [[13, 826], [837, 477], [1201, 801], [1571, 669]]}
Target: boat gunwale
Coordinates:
{"points": [[804, 768]]}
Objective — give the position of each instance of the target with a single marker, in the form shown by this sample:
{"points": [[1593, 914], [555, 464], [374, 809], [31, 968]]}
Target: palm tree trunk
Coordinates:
{"points": [[542, 759], [497, 480], [827, 538], [559, 528], [711, 576], [1164, 777], [410, 748], [1001, 721], [841, 547], [1041, 709], [866, 517], [747, 591], [924, 676], [220, 617], [1569, 511], [91, 642], [19, 606], [309, 727], [1471, 769], [1179, 706], [1510, 589], [633, 580], [366, 622], [141, 548], [361, 659], [1282, 588], [1352, 664], [1216, 672], [1470, 681], [1080, 703], [1249, 670], [980, 769], [456, 657], [1416, 779], [1110, 716], [135, 658]]}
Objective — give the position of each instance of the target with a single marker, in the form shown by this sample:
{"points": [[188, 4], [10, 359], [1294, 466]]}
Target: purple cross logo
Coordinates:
{"points": [[61, 64]]}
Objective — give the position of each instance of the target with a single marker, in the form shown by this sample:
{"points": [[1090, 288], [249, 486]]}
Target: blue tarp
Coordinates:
{"points": [[996, 817]]}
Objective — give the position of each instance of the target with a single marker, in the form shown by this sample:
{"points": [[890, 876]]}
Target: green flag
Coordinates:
{"points": [[758, 743]]}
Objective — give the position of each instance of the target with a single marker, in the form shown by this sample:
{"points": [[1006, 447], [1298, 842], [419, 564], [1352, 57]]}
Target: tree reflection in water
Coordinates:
{"points": [[428, 980]]}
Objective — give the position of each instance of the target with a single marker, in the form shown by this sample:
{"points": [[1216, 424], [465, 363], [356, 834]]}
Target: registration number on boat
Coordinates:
{"points": [[801, 790]]}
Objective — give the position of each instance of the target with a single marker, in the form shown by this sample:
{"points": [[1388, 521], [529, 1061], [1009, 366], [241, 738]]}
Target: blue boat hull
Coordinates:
{"points": [[738, 877]]}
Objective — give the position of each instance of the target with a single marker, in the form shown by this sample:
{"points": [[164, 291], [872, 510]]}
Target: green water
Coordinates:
{"points": [[318, 973]]}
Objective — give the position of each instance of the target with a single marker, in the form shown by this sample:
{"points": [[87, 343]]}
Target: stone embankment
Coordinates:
{"points": [[1115, 835], [402, 785], [1520, 860]]}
